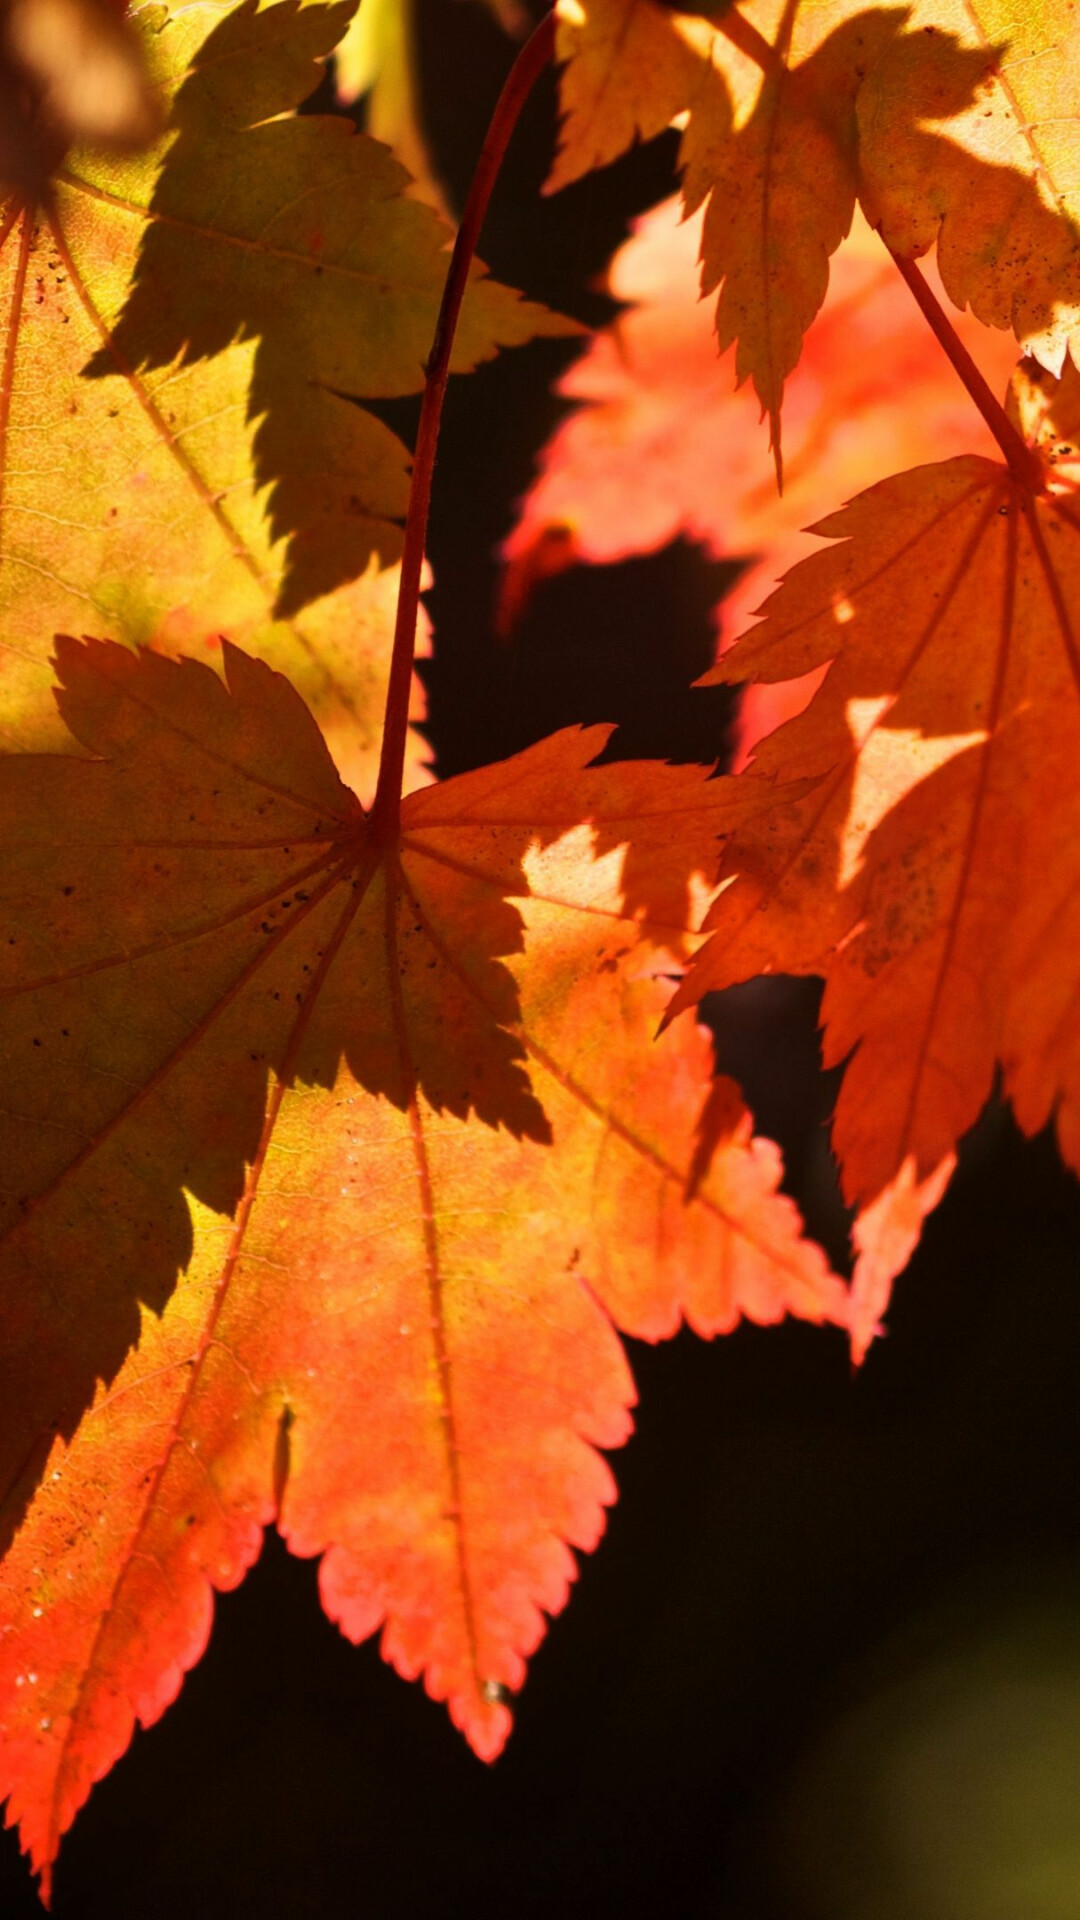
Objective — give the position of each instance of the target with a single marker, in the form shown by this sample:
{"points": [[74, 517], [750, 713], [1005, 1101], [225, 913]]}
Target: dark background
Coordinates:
{"points": [[826, 1662]]}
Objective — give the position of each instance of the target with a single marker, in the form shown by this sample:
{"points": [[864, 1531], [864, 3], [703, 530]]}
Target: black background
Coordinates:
{"points": [[783, 1528]]}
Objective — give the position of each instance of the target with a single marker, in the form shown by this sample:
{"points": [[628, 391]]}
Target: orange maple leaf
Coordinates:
{"points": [[416, 1072], [932, 873]]}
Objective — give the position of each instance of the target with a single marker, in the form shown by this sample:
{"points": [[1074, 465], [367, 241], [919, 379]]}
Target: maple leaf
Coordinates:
{"points": [[337, 1158], [932, 874], [636, 464], [772, 153], [780, 194], [141, 493], [630, 67], [794, 111], [968, 138]]}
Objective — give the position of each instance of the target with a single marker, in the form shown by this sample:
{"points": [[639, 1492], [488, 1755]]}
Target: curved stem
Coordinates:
{"points": [[535, 55], [1023, 461]]}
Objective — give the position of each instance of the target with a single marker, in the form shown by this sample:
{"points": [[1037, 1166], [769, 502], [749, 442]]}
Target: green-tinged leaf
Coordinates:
{"points": [[178, 462]]}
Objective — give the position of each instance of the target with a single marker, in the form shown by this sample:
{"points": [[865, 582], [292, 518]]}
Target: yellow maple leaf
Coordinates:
{"points": [[178, 455]]}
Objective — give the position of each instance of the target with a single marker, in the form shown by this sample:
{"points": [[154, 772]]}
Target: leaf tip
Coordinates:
{"points": [[486, 1720], [885, 1235]]}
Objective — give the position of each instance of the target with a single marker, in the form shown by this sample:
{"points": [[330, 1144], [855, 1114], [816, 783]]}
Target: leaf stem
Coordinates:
{"points": [[534, 57], [1023, 461]]}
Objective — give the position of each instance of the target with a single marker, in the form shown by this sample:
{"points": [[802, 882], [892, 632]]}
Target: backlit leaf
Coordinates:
{"points": [[932, 875], [951, 123], [970, 137], [181, 326], [630, 68], [780, 192], [336, 1161]]}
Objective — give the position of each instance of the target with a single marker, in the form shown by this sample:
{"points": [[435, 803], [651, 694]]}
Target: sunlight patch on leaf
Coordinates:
{"points": [[888, 761]]}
